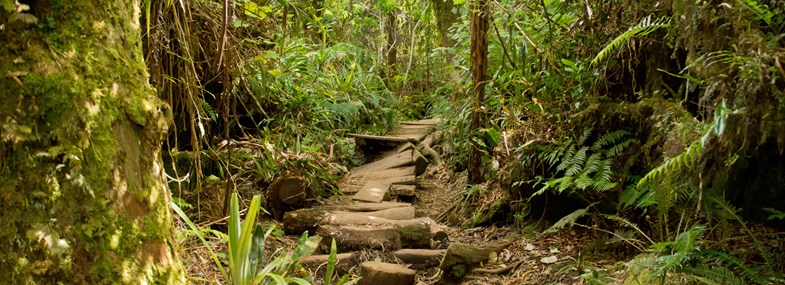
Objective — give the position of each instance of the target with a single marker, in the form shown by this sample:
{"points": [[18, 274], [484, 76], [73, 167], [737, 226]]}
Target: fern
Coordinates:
{"points": [[775, 214], [679, 251], [644, 27], [688, 158], [585, 167], [762, 11]]}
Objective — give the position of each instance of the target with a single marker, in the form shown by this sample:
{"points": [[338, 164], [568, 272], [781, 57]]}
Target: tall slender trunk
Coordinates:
{"points": [[392, 50], [479, 60], [82, 188]]}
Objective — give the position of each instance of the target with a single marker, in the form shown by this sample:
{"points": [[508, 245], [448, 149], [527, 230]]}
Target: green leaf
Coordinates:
{"points": [[8, 5], [331, 260]]}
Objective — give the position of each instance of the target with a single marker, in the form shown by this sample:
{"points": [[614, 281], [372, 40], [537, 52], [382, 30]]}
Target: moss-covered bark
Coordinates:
{"points": [[81, 184]]}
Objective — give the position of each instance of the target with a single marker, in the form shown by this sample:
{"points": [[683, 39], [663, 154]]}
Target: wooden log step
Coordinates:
{"points": [[401, 159], [381, 174], [297, 222], [420, 258], [414, 233], [344, 262], [436, 231], [369, 207], [349, 238], [379, 273], [368, 218]]}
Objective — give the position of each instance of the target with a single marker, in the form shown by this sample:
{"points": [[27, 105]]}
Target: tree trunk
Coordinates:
{"points": [[445, 18], [479, 60], [392, 50], [81, 180]]}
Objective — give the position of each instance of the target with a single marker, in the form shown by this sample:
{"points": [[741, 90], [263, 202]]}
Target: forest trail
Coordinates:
{"points": [[379, 217], [385, 227]]}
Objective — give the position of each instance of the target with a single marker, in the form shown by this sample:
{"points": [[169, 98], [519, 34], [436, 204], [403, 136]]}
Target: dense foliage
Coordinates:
{"points": [[653, 122]]}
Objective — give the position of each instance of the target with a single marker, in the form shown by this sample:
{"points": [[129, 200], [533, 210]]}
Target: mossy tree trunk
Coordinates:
{"points": [[479, 60], [81, 182], [445, 18]]}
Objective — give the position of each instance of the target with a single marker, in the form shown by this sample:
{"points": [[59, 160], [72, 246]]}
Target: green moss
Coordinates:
{"points": [[84, 79]]}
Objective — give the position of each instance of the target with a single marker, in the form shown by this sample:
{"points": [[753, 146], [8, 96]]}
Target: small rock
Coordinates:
{"points": [[529, 247], [380, 273]]}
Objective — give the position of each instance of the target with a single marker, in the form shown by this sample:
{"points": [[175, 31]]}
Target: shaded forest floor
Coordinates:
{"points": [[535, 258]]}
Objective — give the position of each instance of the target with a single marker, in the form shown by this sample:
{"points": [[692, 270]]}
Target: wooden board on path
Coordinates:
{"points": [[382, 173], [374, 191], [397, 160]]}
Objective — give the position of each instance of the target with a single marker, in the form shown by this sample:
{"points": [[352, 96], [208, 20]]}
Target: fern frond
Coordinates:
{"points": [[608, 139], [585, 135], [575, 163], [674, 164], [619, 148], [627, 223], [762, 11], [644, 27]]}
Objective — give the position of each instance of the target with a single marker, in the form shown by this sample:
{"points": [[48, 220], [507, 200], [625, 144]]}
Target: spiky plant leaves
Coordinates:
{"points": [[331, 261], [644, 27], [196, 230]]}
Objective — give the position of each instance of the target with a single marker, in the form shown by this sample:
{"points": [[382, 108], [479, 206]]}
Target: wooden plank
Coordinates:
{"points": [[397, 160], [370, 207], [403, 180], [373, 191], [384, 173]]}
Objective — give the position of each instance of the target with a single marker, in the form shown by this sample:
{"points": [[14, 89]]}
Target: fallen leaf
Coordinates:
{"points": [[550, 259], [529, 247]]}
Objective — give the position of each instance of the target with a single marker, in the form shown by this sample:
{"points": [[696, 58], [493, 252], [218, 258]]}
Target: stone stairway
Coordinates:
{"points": [[376, 218]]}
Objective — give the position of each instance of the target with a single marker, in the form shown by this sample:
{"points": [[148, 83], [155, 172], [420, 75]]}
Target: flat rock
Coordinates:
{"points": [[380, 273]]}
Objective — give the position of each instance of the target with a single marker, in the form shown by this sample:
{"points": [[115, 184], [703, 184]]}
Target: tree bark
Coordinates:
{"points": [[392, 50], [445, 18], [479, 60], [81, 182]]}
